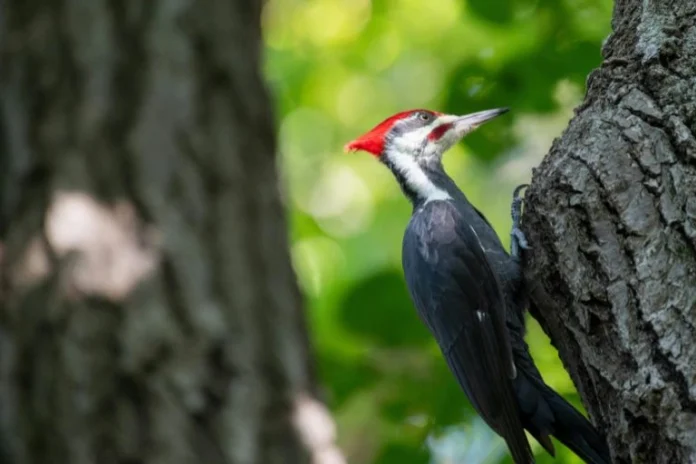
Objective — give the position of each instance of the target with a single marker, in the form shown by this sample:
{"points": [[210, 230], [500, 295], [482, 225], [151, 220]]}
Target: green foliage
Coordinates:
{"points": [[375, 304], [338, 67]]}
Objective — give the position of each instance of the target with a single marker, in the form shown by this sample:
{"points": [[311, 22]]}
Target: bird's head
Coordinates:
{"points": [[423, 135]]}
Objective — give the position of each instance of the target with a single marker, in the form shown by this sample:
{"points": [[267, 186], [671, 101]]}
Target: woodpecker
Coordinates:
{"points": [[469, 291]]}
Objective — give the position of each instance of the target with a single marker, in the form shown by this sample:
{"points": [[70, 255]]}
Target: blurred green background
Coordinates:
{"points": [[338, 67]]}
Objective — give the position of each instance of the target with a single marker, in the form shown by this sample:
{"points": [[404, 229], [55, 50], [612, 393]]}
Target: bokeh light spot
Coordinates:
{"points": [[341, 201], [318, 261]]}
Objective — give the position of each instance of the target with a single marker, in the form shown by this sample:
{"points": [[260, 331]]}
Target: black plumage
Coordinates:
{"points": [[469, 292], [459, 298]]}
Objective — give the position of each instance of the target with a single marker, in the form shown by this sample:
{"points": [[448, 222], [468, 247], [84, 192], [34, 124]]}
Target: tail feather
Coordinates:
{"points": [[576, 432], [545, 412]]}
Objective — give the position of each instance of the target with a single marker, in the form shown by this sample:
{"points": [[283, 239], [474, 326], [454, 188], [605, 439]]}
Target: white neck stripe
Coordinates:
{"points": [[415, 178]]}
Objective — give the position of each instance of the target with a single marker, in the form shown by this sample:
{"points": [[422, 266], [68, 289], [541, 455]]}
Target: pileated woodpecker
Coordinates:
{"points": [[469, 291]]}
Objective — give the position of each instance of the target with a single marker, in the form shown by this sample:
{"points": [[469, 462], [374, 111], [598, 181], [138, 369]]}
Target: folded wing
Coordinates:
{"points": [[459, 297]]}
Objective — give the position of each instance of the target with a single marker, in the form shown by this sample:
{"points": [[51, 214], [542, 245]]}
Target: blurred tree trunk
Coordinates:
{"points": [[149, 312], [611, 217]]}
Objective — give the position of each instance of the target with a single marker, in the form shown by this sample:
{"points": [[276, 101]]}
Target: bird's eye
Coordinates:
{"points": [[424, 116]]}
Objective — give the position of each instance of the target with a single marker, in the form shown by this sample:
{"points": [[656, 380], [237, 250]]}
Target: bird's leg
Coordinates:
{"points": [[517, 239]]}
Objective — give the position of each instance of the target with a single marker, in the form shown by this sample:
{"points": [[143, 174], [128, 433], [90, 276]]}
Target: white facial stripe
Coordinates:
{"points": [[417, 136], [414, 176], [412, 141]]}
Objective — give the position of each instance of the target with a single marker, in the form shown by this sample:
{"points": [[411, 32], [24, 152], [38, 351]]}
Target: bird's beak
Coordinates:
{"points": [[463, 125]]}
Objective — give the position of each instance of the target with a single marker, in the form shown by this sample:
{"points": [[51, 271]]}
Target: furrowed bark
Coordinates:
{"points": [[611, 219], [150, 313]]}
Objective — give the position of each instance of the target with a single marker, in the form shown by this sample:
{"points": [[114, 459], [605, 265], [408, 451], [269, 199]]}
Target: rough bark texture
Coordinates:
{"points": [[149, 310], [611, 217]]}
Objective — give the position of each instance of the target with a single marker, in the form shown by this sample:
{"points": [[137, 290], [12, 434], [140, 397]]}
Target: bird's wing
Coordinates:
{"points": [[490, 291], [459, 297]]}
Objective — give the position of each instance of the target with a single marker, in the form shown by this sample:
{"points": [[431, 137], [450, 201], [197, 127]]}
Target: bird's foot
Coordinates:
{"points": [[518, 241]]}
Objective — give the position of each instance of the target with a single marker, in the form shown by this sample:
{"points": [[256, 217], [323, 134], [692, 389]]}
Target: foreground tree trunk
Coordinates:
{"points": [[149, 310], [611, 217]]}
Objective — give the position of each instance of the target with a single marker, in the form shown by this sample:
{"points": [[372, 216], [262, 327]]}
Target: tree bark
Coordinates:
{"points": [[149, 313], [611, 219]]}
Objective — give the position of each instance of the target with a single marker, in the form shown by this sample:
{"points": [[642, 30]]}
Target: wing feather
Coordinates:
{"points": [[459, 297]]}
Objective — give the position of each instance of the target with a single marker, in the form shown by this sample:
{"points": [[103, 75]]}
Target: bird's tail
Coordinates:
{"points": [[546, 413], [576, 432]]}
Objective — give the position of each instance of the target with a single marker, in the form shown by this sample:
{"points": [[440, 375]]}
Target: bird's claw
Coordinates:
{"points": [[518, 241], [516, 207], [516, 192], [521, 239]]}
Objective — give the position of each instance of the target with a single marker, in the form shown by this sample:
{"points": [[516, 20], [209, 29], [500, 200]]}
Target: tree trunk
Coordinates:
{"points": [[611, 219], [149, 310]]}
